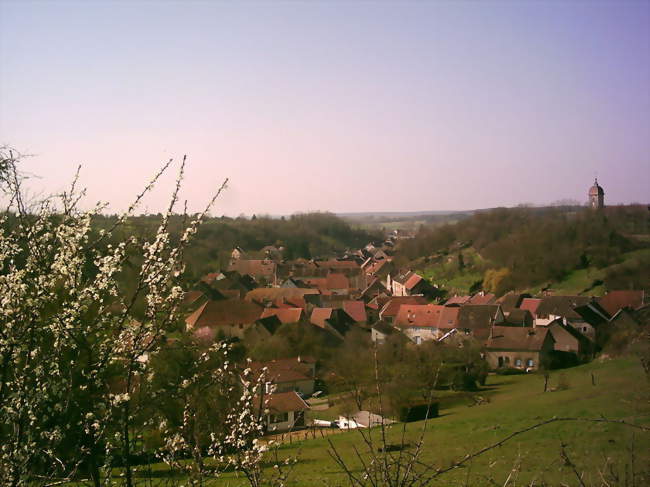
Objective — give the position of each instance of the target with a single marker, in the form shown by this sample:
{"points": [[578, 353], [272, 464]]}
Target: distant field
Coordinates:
{"points": [[516, 402]]}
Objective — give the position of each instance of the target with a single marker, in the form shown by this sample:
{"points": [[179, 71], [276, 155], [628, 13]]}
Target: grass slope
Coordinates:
{"points": [[516, 402]]}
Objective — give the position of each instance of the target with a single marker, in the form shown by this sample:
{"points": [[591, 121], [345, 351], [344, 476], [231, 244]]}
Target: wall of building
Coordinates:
{"points": [[422, 334], [512, 359], [275, 426]]}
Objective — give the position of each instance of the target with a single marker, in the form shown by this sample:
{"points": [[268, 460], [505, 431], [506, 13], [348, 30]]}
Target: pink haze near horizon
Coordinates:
{"points": [[331, 106]]}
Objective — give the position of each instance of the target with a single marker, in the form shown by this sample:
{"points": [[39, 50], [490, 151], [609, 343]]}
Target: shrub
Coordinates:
{"points": [[418, 412]]}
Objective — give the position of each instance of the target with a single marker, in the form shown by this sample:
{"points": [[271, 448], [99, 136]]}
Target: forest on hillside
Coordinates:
{"points": [[306, 235], [520, 248]]}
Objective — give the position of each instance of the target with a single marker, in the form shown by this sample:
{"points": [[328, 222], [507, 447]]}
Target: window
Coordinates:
{"points": [[418, 340], [530, 363], [518, 362], [507, 360]]}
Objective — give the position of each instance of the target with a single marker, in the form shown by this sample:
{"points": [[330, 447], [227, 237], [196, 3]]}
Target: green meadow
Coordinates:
{"points": [[615, 389]]}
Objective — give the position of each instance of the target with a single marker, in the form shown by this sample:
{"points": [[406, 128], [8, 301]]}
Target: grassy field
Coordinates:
{"points": [[621, 391]]}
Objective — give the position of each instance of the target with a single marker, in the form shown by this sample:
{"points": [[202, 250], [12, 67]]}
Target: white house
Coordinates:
{"points": [[286, 412]]}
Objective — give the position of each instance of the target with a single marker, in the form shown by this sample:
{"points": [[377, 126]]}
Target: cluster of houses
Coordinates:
{"points": [[261, 291]]}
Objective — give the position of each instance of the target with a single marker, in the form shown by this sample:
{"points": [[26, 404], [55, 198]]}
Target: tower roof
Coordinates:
{"points": [[596, 190]]}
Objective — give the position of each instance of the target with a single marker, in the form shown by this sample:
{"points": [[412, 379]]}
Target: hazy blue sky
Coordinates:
{"points": [[341, 106]]}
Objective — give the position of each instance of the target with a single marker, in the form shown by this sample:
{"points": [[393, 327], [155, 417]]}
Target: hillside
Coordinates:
{"points": [[515, 403], [567, 250]]}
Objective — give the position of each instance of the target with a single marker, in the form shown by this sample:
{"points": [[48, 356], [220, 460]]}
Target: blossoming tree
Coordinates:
{"points": [[77, 384]]}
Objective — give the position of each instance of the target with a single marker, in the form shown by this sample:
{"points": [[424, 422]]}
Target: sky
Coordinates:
{"points": [[331, 106]]}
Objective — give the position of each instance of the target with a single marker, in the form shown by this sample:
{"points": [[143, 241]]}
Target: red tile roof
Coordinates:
{"points": [[449, 317], [422, 315], [226, 312], [412, 281], [531, 304], [285, 402], [391, 308], [427, 315], [285, 315], [614, 301], [374, 267], [290, 302], [337, 281], [457, 300], [319, 315], [357, 310], [482, 298], [331, 282], [256, 268]]}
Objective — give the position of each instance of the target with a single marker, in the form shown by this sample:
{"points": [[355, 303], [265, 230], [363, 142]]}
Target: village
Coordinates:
{"points": [[361, 292]]}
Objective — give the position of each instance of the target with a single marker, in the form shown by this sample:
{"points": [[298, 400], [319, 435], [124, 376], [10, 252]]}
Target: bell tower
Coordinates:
{"points": [[596, 196]]}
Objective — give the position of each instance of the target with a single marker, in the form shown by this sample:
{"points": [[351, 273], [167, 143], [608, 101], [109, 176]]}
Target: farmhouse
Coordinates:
{"points": [[291, 374], [286, 412], [518, 347]]}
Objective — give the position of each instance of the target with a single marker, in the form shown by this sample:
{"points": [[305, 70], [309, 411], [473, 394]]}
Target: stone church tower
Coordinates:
{"points": [[596, 196]]}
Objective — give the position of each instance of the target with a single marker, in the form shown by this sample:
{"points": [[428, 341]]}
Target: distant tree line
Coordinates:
{"points": [[308, 235]]}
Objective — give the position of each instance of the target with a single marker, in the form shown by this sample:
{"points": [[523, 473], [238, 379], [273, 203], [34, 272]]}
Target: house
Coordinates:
{"points": [[374, 288], [224, 281], [264, 270], [457, 300], [333, 283], [614, 301], [389, 310], [269, 295], [230, 317], [425, 322], [193, 299], [569, 340], [286, 412], [510, 301], [592, 320], [294, 282], [482, 298], [380, 332], [290, 374], [335, 321], [408, 283], [285, 315], [518, 347], [356, 310], [349, 268], [531, 304], [553, 307], [519, 317], [615, 335], [478, 319], [419, 322], [237, 253]]}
